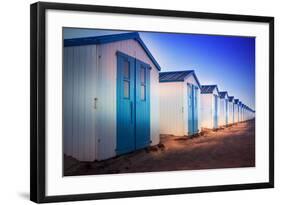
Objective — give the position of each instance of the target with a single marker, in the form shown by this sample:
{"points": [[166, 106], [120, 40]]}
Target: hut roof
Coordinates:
{"points": [[206, 89], [223, 94], [111, 38], [177, 76], [230, 98]]}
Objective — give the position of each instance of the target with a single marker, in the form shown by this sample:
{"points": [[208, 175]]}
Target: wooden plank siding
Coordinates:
{"points": [[79, 93]]}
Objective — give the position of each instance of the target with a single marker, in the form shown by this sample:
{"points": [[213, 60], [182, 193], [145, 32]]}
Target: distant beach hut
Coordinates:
{"points": [[179, 93], [240, 104], [249, 113], [224, 108], [242, 112], [231, 109], [236, 110], [209, 106], [246, 112], [252, 114], [111, 104]]}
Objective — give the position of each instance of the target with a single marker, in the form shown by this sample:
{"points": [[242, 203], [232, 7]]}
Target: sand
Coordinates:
{"points": [[230, 147]]}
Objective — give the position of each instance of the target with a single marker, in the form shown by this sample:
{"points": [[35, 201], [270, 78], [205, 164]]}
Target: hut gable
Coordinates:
{"points": [[230, 98], [236, 101], [210, 89], [179, 76], [96, 40], [223, 95]]}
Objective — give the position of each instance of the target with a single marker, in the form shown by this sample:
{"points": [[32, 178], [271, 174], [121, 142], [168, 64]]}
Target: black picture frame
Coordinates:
{"points": [[38, 101]]}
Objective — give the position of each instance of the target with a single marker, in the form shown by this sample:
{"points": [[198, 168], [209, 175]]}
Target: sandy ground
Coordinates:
{"points": [[229, 147]]}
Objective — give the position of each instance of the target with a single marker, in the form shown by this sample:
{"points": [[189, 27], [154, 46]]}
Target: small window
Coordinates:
{"points": [[126, 89], [142, 75], [142, 96], [126, 71]]}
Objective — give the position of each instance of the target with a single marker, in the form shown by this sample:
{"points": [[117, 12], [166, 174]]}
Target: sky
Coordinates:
{"points": [[227, 61]]}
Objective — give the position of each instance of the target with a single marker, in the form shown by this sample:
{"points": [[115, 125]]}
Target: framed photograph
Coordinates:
{"points": [[129, 102]]}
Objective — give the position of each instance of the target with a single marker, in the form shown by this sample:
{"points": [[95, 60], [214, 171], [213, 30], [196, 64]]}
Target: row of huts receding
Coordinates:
{"points": [[116, 100]]}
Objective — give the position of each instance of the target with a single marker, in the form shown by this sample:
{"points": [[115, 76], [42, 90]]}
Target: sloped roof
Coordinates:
{"points": [[230, 98], [206, 89], [176, 76], [236, 101], [223, 94], [111, 38]]}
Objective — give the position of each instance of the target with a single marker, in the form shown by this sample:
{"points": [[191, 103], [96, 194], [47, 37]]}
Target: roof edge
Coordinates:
{"points": [[109, 39]]}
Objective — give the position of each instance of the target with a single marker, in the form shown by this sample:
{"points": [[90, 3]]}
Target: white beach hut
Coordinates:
{"points": [[179, 103], [242, 112], [209, 106], [236, 110], [245, 113], [240, 104], [250, 114], [224, 109], [110, 96], [231, 110]]}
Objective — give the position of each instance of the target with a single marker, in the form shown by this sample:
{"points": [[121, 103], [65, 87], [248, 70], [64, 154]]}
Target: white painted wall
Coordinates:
{"points": [[222, 111], [236, 114], [207, 111], [227, 111], [230, 113], [240, 113], [97, 138], [79, 91], [171, 106]]}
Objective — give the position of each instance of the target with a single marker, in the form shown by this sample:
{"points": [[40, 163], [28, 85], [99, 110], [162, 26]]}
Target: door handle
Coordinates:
{"points": [[95, 103], [131, 108]]}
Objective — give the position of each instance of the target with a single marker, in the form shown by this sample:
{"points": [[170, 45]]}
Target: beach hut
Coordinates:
{"points": [[236, 110], [209, 106], [224, 109], [250, 113], [110, 96], [245, 112], [179, 103], [240, 111], [231, 109]]}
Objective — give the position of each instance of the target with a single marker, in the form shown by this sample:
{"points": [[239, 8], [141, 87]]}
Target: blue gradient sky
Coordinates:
{"points": [[227, 61]]}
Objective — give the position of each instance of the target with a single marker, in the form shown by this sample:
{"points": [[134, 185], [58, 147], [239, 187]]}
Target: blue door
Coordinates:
{"points": [[215, 111], [192, 109], [195, 110], [142, 105], [133, 99]]}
